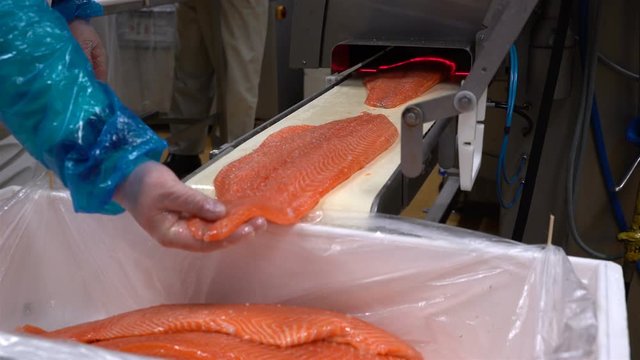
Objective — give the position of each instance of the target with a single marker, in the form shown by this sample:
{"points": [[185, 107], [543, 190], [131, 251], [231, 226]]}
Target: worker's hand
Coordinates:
{"points": [[162, 204], [92, 46]]}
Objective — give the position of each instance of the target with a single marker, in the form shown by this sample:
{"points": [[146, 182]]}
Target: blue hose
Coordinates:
{"points": [[501, 173], [605, 168], [596, 127]]}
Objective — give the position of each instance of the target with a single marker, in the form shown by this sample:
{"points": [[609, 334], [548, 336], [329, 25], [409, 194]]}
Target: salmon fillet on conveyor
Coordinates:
{"points": [[393, 88], [237, 332], [287, 175]]}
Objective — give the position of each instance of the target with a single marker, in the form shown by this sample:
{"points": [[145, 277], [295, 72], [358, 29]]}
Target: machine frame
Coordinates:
{"points": [[499, 28], [503, 22]]}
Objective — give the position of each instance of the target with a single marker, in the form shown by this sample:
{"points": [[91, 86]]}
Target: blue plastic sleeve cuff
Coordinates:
{"points": [[77, 9]]}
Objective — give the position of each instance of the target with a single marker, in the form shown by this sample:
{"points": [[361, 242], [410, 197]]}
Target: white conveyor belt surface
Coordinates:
{"points": [[345, 100]]}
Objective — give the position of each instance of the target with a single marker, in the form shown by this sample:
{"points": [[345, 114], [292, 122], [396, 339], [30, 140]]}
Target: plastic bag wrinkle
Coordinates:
{"points": [[452, 294], [30, 348]]}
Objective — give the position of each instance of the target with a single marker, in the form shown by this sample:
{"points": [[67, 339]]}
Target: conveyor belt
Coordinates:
{"points": [[347, 99]]}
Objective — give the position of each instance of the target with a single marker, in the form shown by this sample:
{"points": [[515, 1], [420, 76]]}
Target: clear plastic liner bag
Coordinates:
{"points": [[451, 293], [25, 348]]}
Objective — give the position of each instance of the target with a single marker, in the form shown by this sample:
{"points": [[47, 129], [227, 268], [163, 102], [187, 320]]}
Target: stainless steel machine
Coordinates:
{"points": [[445, 125]]}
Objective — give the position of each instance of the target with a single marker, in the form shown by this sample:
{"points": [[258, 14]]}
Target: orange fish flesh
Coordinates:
{"points": [[154, 331], [393, 88], [288, 174]]}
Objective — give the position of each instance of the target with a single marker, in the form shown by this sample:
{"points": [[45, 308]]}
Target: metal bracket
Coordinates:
{"points": [[413, 118], [470, 137], [504, 21], [443, 201]]}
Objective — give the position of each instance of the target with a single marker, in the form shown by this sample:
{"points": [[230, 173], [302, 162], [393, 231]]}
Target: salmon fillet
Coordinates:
{"points": [[199, 345], [271, 326], [288, 174], [390, 89]]}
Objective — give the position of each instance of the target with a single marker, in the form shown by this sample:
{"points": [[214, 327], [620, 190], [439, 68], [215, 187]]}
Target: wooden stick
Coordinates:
{"points": [[51, 179], [550, 233]]}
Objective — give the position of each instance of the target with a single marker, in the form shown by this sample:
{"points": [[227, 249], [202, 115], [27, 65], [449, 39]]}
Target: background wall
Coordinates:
{"points": [[619, 39]]}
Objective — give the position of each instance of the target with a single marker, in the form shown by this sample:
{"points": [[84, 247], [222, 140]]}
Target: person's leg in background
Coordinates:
{"points": [[243, 29], [194, 85]]}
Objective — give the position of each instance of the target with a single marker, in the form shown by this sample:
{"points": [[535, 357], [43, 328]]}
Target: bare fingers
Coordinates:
{"points": [[179, 236]]}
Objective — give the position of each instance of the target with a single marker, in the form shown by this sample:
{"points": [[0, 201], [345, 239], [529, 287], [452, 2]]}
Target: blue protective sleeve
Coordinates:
{"points": [[77, 9], [69, 121]]}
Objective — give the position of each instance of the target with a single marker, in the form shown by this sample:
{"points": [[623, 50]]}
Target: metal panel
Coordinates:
{"points": [[280, 86], [416, 20], [290, 81], [306, 36]]}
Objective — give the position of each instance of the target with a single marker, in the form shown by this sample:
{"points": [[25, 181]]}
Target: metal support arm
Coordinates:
{"points": [[503, 23], [413, 118]]}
